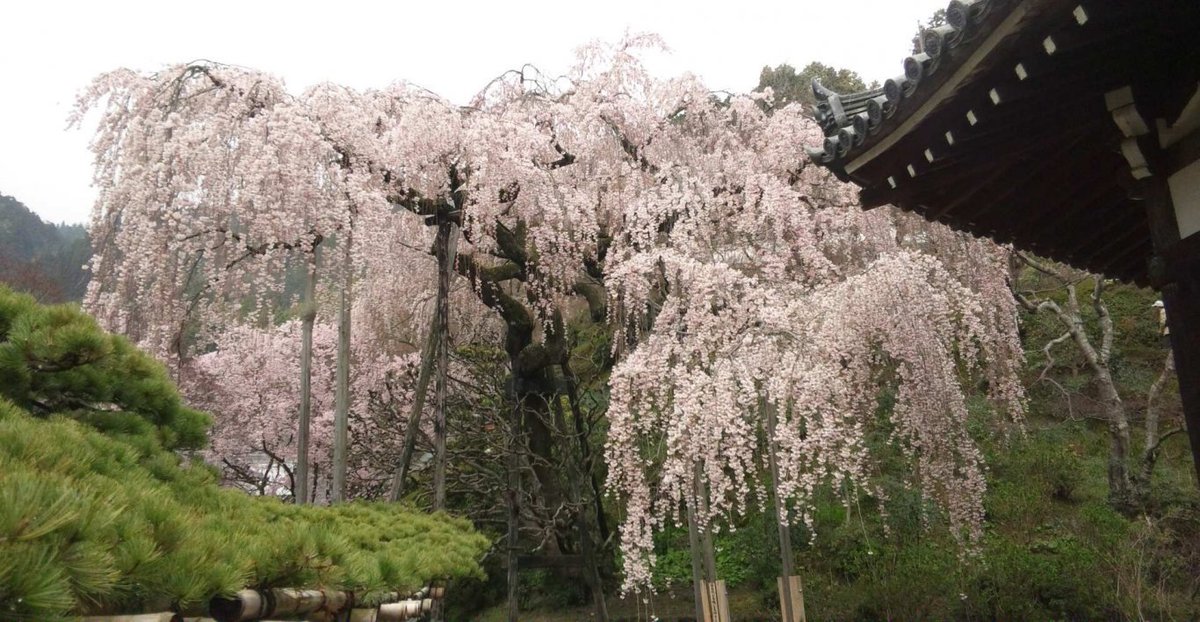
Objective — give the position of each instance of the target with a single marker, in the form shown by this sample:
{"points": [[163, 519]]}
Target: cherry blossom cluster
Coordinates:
{"points": [[736, 274], [251, 384]]}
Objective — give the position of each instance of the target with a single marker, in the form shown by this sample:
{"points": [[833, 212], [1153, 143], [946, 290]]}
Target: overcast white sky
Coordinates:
{"points": [[50, 49]]}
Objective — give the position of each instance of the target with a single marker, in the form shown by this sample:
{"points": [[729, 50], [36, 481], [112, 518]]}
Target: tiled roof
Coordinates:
{"points": [[851, 120]]}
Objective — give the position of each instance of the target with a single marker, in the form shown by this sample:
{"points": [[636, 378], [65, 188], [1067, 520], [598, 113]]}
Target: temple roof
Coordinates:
{"points": [[1006, 124]]}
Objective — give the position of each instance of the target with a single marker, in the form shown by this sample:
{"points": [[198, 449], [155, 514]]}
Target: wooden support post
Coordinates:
{"points": [[791, 599], [341, 414], [301, 488], [715, 602], [793, 588], [714, 594], [706, 604], [1176, 271], [697, 564], [1182, 301], [447, 238]]}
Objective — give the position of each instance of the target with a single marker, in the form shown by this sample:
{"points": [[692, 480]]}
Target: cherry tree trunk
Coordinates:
{"points": [[1153, 438], [512, 498], [342, 399], [575, 467], [1118, 431], [308, 316], [585, 452]]}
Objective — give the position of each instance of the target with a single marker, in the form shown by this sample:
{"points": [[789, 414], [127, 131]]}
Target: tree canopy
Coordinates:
{"points": [[732, 272]]}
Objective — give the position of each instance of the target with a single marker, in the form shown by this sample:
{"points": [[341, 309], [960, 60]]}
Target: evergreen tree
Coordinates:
{"points": [[98, 517], [791, 86]]}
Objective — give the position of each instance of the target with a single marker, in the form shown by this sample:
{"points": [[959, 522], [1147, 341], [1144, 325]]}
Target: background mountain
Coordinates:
{"points": [[43, 259]]}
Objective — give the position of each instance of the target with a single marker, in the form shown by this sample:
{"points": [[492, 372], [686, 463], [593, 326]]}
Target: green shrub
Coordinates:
{"points": [[98, 516], [91, 524], [56, 360]]}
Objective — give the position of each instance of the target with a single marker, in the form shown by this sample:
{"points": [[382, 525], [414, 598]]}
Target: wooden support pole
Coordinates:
{"points": [[791, 605], [715, 595], [428, 357], [341, 413], [1176, 270], [301, 488], [794, 588], [447, 238], [1182, 301], [698, 586]]}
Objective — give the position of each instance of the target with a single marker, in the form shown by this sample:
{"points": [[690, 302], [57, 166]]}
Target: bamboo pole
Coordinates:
{"points": [[256, 605], [404, 610]]}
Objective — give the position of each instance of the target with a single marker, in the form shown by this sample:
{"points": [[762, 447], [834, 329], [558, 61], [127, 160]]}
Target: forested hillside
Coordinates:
{"points": [[43, 259]]}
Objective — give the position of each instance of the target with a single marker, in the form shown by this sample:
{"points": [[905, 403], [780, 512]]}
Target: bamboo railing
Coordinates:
{"points": [[298, 604]]}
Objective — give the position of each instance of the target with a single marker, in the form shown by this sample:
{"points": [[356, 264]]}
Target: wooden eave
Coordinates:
{"points": [[1001, 128]]}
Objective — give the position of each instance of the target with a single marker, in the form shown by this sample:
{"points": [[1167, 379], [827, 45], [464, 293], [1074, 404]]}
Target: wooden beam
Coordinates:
{"points": [[1124, 236], [1014, 132], [1014, 187], [998, 150], [1093, 189], [1126, 260]]}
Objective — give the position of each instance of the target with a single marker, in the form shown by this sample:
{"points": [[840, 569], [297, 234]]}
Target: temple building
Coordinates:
{"points": [[1068, 129]]}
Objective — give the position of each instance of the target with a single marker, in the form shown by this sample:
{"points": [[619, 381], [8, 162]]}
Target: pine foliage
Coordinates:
{"points": [[56, 360], [97, 517]]}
